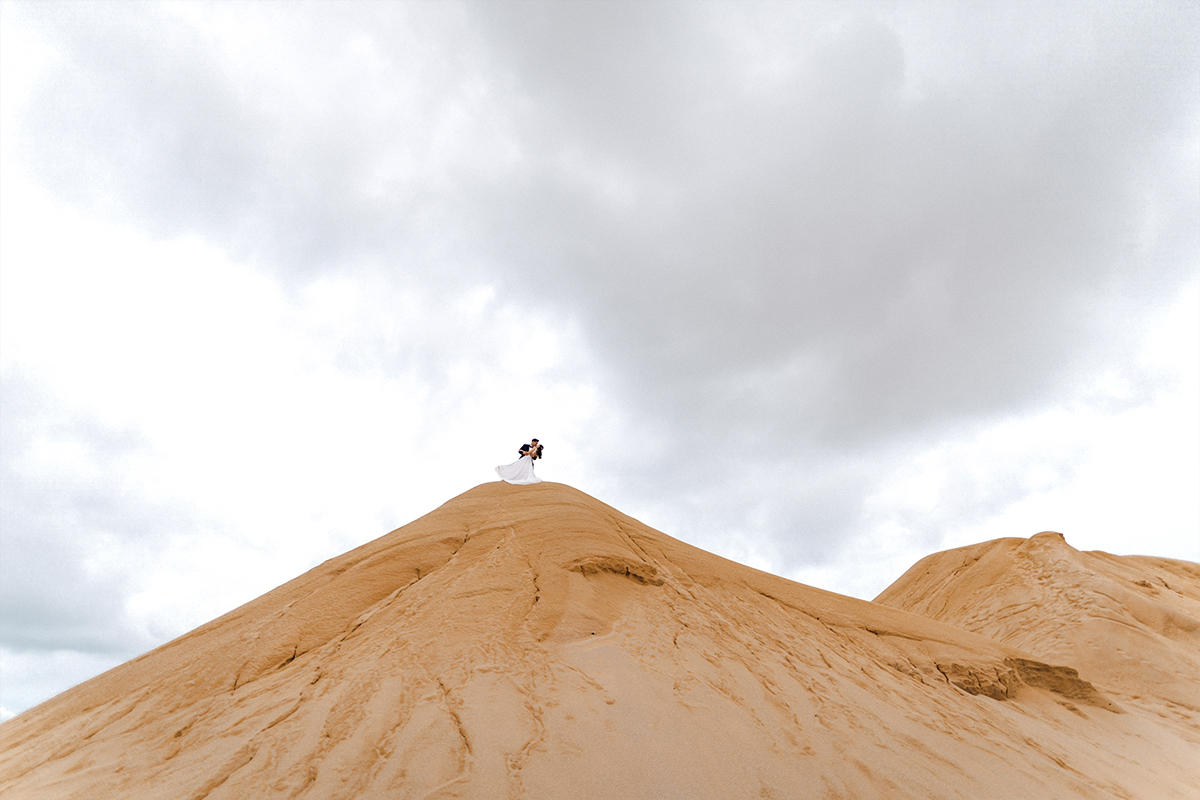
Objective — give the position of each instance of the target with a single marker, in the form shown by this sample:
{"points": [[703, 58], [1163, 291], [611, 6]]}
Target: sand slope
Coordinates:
{"points": [[1128, 623], [532, 642]]}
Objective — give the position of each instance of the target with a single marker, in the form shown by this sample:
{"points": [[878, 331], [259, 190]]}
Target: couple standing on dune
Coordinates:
{"points": [[521, 470]]}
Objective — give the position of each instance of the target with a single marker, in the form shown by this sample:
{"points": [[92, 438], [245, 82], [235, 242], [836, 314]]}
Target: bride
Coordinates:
{"points": [[521, 470]]}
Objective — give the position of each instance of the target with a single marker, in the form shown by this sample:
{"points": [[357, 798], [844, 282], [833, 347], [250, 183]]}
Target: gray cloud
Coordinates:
{"points": [[881, 260], [63, 500]]}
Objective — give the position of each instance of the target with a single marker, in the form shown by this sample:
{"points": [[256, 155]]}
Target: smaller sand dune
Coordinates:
{"points": [[1130, 624]]}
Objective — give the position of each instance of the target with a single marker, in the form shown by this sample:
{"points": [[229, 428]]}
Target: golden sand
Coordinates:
{"points": [[533, 642]]}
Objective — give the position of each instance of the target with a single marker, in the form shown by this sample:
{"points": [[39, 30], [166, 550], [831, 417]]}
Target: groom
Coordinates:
{"points": [[533, 450]]}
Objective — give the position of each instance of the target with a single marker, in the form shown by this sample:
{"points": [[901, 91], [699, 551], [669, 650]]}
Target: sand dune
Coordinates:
{"points": [[532, 642], [1129, 623]]}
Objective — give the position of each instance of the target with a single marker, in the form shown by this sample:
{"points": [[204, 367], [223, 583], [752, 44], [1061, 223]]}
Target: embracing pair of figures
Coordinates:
{"points": [[521, 470]]}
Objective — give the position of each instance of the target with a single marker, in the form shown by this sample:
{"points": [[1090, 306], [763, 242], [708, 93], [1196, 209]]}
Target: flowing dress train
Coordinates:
{"points": [[519, 472]]}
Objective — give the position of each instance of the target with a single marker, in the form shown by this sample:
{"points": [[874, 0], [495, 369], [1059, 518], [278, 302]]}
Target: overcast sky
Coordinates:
{"points": [[822, 288]]}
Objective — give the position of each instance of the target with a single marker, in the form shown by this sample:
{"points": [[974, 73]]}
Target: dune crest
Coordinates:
{"points": [[533, 642]]}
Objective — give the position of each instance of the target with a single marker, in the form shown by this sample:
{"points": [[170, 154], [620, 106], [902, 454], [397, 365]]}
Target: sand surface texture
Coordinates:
{"points": [[532, 642]]}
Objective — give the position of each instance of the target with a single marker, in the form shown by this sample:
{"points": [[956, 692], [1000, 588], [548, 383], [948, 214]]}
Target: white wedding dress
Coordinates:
{"points": [[519, 472]]}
